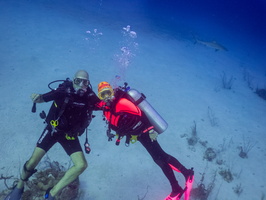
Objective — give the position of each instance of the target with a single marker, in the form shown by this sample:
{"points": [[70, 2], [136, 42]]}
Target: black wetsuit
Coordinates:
{"points": [[68, 117], [126, 121], [162, 159]]}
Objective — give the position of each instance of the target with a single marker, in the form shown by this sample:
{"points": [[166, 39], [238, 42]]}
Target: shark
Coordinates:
{"points": [[212, 44]]}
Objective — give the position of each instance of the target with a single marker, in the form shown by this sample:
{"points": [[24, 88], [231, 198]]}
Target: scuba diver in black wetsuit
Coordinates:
{"points": [[68, 117], [127, 119]]}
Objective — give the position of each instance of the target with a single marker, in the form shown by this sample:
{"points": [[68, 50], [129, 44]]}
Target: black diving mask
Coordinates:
{"points": [[79, 81]]}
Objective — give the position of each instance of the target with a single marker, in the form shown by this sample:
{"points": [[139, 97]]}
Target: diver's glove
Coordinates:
{"points": [[36, 98], [153, 135]]}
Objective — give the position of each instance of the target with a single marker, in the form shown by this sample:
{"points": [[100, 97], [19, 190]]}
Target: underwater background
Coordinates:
{"points": [[201, 64]]}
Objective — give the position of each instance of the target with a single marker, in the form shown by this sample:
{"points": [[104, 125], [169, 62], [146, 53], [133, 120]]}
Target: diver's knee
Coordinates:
{"points": [[81, 166]]}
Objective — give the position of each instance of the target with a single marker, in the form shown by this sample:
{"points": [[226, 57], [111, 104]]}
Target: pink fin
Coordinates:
{"points": [[189, 185]]}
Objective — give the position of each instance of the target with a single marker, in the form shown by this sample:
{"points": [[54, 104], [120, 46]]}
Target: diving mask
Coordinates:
{"points": [[81, 82], [106, 94]]}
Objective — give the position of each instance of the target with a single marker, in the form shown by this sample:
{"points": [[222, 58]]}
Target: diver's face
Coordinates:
{"points": [[81, 80], [80, 83], [106, 95]]}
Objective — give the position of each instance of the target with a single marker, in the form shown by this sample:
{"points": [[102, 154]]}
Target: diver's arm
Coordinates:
{"points": [[49, 96], [95, 102]]}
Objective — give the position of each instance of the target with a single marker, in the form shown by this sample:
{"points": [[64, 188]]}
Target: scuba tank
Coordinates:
{"points": [[139, 99]]}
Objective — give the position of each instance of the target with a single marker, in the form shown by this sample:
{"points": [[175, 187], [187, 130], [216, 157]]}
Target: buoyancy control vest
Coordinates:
{"points": [[139, 99], [69, 112]]}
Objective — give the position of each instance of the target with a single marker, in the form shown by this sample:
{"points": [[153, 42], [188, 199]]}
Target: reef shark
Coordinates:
{"points": [[212, 44]]}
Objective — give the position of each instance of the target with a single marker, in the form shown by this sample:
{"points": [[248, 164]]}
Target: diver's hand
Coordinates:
{"points": [[153, 135], [109, 135], [36, 98]]}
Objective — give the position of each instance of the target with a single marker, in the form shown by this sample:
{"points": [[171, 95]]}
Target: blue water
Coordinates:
{"points": [[46, 40], [240, 25], [236, 22]]}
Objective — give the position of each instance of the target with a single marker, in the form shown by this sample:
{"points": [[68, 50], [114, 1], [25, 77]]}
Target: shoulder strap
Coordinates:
{"points": [[63, 107], [67, 85]]}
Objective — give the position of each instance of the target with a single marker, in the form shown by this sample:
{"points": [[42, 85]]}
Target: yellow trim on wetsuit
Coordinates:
{"points": [[55, 104], [69, 137]]}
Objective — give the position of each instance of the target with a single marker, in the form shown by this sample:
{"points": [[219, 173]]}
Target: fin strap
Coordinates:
{"points": [[31, 172]]}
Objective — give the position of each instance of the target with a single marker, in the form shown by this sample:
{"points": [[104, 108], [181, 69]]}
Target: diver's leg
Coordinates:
{"points": [[45, 142], [30, 165], [177, 166], [27, 171], [80, 164], [161, 159]]}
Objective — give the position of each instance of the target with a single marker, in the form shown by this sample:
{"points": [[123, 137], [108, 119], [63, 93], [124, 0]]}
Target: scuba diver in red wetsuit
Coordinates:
{"points": [[125, 117]]}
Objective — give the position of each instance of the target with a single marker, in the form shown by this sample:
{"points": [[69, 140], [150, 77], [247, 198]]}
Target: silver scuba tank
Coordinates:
{"points": [[160, 125]]}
